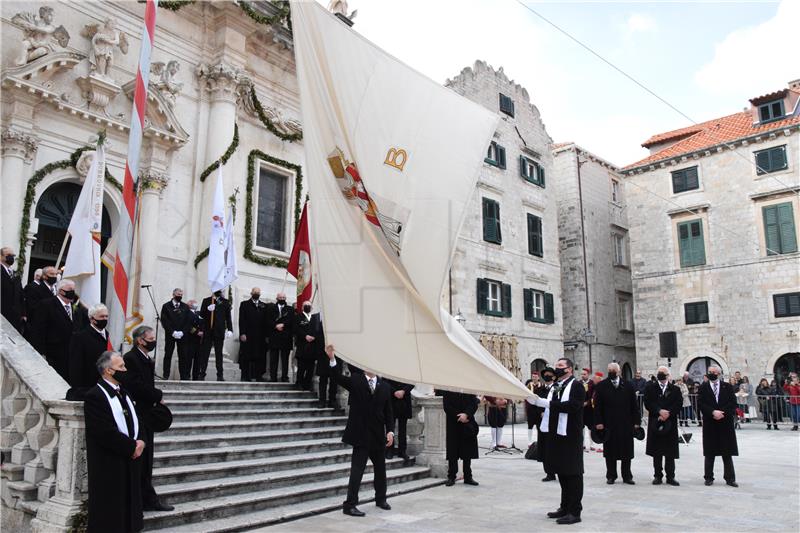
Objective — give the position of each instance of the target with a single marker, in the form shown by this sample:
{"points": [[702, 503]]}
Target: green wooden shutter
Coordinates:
{"points": [[527, 296], [482, 295], [794, 304], [489, 225], [698, 245], [772, 233], [523, 168], [691, 181], [505, 300], [498, 232], [530, 234], [540, 169], [702, 313], [684, 244], [778, 158], [787, 230], [689, 310], [781, 302], [501, 156], [762, 162], [549, 310]]}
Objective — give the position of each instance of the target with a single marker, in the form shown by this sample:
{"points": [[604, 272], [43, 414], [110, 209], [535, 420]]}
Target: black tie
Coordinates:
{"points": [[126, 411]]}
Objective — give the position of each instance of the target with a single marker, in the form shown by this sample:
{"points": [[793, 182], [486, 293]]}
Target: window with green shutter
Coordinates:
{"points": [[771, 160], [691, 247], [493, 298], [787, 304], [491, 221], [696, 313], [771, 111], [531, 171], [685, 180], [779, 230], [496, 155], [506, 105], [538, 306], [535, 244]]}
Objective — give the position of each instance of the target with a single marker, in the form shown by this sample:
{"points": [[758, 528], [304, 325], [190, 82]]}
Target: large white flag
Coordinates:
{"points": [[231, 263], [216, 245], [83, 259], [392, 159]]}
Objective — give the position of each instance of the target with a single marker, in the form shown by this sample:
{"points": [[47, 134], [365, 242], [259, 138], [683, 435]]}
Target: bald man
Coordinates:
{"points": [[253, 337], [280, 322], [663, 401]]}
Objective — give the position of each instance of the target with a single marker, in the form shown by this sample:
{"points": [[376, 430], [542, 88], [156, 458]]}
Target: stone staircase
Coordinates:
{"points": [[241, 456]]}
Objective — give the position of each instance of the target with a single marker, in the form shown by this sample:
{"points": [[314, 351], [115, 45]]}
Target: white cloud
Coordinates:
{"points": [[639, 23], [755, 60]]}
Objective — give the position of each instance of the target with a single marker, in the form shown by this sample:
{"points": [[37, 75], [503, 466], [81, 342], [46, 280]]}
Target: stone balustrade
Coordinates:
{"points": [[42, 441]]}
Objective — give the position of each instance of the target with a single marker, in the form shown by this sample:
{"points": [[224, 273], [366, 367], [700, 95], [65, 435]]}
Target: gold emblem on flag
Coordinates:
{"points": [[396, 158]]}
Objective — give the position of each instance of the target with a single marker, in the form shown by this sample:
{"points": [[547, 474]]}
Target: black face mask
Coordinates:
{"points": [[150, 346], [560, 372], [612, 374], [661, 376], [51, 280], [307, 308], [256, 296], [101, 324], [69, 295], [177, 298], [281, 302], [120, 374], [712, 376], [10, 259], [548, 378]]}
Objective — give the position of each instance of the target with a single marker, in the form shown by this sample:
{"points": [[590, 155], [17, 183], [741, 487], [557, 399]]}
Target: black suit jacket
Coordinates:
{"points": [[370, 417], [719, 436], [665, 443], [53, 329], [281, 340], [221, 314], [12, 299], [175, 319], [401, 408], [302, 327], [253, 321], [85, 348], [139, 381], [565, 452], [34, 294]]}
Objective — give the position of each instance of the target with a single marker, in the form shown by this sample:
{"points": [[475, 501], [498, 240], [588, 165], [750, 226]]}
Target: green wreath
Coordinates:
{"points": [[172, 5], [227, 155], [282, 14], [262, 116]]}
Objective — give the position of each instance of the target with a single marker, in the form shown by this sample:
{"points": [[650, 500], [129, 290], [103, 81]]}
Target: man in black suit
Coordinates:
{"points": [[280, 319], [12, 297], [369, 431], [85, 348], [461, 434], [401, 408], [253, 337], [717, 402], [217, 326], [35, 293], [563, 420], [175, 319], [55, 321], [308, 336], [139, 380], [663, 402], [190, 367]]}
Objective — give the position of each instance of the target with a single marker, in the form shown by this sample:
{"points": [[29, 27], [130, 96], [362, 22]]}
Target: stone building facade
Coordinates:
{"points": [[713, 214], [222, 83], [505, 278], [597, 296]]}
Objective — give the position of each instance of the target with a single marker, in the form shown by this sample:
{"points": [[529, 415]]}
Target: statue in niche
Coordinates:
{"points": [[104, 38], [167, 84], [40, 36]]}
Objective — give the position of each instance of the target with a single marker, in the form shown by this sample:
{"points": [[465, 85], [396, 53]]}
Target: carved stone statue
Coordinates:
{"points": [[40, 36], [104, 39], [167, 84], [339, 7]]}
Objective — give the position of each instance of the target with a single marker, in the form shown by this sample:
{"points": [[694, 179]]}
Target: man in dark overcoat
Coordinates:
{"points": [[217, 324], [369, 431], [55, 321], [401, 407], [461, 434], [113, 452], [308, 335], [189, 368], [253, 337], [717, 402], [548, 380], [617, 412], [663, 401], [563, 419], [85, 348], [175, 320], [328, 388], [12, 296], [280, 320]]}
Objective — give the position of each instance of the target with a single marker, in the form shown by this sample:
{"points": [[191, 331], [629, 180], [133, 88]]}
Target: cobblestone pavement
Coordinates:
{"points": [[512, 498]]}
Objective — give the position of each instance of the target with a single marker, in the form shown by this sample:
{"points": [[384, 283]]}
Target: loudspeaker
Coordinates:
{"points": [[668, 343]]}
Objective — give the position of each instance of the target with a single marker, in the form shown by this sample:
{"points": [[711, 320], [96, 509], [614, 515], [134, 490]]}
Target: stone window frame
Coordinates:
{"points": [[788, 153], [291, 176], [616, 191], [621, 234], [769, 107], [680, 216], [692, 301], [700, 180], [780, 197], [625, 301], [771, 318]]}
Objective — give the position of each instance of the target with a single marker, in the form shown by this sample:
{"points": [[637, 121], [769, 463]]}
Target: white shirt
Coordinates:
{"points": [[663, 387], [100, 331], [119, 416]]}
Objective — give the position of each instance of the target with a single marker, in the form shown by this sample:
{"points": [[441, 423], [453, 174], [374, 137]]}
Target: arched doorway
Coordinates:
{"points": [[627, 373], [537, 365], [54, 211], [788, 362], [698, 367]]}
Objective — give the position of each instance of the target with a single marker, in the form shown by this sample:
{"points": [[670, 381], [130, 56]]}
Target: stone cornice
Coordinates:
{"points": [[685, 210], [773, 194]]}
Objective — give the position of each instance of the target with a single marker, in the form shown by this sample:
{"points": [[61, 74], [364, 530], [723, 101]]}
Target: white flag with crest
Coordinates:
{"points": [[217, 240]]}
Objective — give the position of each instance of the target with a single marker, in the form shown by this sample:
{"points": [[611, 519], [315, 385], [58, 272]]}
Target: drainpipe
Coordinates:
{"points": [[578, 164]]}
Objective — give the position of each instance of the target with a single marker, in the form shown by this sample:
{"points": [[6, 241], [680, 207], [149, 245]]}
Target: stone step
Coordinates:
{"points": [[218, 440], [215, 488], [253, 414], [171, 395], [222, 385], [241, 507], [236, 405], [233, 453], [204, 427]]}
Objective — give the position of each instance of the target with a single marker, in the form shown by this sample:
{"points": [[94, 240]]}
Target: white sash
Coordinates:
{"points": [[119, 418], [562, 417]]}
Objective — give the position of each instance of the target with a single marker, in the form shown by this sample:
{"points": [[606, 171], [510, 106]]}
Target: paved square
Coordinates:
{"points": [[512, 498]]}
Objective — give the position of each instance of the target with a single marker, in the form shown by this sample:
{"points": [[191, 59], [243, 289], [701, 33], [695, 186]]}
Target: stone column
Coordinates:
{"points": [[152, 183], [18, 149], [433, 437]]}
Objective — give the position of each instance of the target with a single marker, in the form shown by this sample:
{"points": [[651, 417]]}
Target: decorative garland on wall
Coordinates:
{"points": [[227, 155], [282, 14], [30, 193], [262, 116], [172, 5]]}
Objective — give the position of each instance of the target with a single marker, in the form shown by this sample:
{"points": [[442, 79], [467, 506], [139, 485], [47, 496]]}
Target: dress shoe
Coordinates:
{"points": [[450, 482], [220, 378], [470, 481], [709, 482], [352, 511], [384, 505], [629, 482], [673, 483], [732, 483], [558, 513], [286, 380], [568, 519], [657, 481], [159, 506], [549, 478], [609, 481], [404, 456]]}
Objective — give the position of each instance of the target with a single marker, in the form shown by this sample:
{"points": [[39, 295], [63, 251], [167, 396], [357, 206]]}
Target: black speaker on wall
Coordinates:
{"points": [[668, 344]]}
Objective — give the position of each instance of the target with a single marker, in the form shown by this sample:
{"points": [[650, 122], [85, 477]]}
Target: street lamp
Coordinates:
{"points": [[460, 318]]}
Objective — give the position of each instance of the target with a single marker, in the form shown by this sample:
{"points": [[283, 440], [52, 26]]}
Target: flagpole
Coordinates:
{"points": [[63, 247]]}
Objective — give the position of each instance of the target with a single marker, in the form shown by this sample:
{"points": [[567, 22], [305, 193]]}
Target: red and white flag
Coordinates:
{"points": [[300, 261]]}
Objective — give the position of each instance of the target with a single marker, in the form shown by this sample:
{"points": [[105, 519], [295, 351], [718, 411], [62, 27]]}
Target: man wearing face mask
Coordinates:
{"points": [[175, 319], [617, 412], [280, 320], [663, 401], [717, 401], [85, 348], [253, 337], [563, 421], [35, 294], [139, 380], [189, 367], [55, 321], [308, 334], [12, 297], [543, 390], [217, 326]]}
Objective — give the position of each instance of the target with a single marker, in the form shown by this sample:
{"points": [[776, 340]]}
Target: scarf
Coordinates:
{"points": [[562, 417], [119, 418]]}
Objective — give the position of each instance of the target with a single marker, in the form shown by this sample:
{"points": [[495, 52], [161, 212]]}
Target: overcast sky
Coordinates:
{"points": [[705, 58]]}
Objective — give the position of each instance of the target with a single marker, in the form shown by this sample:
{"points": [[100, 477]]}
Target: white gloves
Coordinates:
{"points": [[228, 334], [211, 307], [177, 335], [533, 399]]}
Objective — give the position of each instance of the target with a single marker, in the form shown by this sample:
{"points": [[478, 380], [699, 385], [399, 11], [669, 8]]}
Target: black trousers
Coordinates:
{"points": [[452, 468], [327, 389], [305, 372], [402, 438], [611, 468], [149, 496], [358, 462], [205, 352], [669, 466], [253, 360], [729, 474], [169, 347], [571, 493], [282, 355], [189, 358]]}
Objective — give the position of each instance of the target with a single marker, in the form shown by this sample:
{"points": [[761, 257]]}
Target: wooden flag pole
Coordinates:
{"points": [[63, 247]]}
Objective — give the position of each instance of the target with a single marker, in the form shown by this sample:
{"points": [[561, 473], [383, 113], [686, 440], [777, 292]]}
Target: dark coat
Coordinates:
{"points": [[139, 380], [35, 293], [12, 299], [401, 408], [719, 436], [114, 478], [532, 413], [370, 416], [280, 340], [252, 324], [85, 348], [462, 440], [564, 454], [672, 400], [618, 411], [221, 317], [588, 404], [52, 332], [541, 438], [309, 351], [496, 416], [175, 319]]}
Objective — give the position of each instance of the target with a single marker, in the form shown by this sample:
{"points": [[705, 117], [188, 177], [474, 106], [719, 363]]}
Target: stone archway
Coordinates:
{"points": [[697, 366], [627, 372], [788, 362], [537, 365]]}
